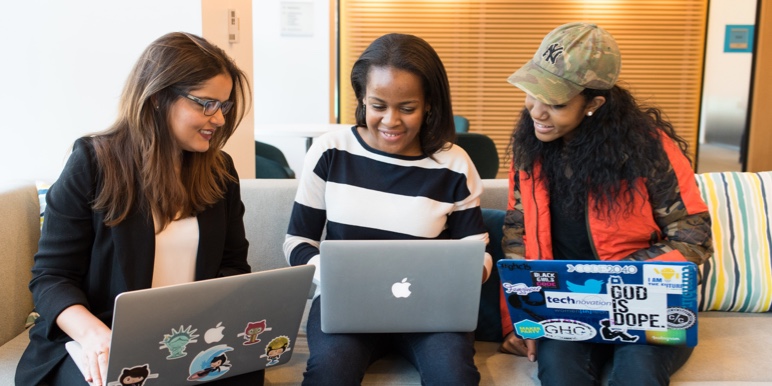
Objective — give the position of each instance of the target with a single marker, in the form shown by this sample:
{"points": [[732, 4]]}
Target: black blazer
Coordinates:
{"points": [[82, 261]]}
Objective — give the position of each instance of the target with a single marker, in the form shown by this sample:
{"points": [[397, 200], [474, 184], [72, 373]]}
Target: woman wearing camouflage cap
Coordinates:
{"points": [[596, 176]]}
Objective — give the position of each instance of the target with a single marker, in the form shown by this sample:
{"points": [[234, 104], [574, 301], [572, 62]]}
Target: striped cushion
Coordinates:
{"points": [[739, 275]]}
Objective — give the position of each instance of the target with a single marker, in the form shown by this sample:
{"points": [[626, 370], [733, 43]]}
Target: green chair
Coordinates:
{"points": [[482, 151], [270, 162], [461, 123]]}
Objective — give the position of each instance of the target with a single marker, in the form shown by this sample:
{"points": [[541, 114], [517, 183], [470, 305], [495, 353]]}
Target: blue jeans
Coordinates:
{"points": [[342, 359], [578, 363]]}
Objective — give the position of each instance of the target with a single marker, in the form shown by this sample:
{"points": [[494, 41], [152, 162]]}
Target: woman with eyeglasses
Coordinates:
{"points": [[149, 202]]}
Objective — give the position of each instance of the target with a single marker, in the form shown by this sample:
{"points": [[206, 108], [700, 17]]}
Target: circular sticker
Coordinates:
{"points": [[566, 329], [679, 318]]}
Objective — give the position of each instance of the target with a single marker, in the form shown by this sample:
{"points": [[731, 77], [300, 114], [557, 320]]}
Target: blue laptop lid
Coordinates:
{"points": [[618, 302]]}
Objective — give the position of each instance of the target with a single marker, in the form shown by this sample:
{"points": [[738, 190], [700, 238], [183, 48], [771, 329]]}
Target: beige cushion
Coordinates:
{"points": [[10, 353]]}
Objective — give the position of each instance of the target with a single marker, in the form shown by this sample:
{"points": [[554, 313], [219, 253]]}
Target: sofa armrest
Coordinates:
{"points": [[19, 235]]}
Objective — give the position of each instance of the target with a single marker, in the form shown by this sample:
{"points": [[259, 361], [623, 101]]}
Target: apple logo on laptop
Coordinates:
{"points": [[401, 289], [214, 334]]}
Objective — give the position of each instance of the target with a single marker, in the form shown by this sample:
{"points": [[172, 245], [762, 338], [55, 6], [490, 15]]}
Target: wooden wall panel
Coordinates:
{"points": [[482, 42], [760, 137]]}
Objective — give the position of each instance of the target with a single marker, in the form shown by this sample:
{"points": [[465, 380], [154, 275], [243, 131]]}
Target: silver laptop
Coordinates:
{"points": [[400, 285], [205, 330]]}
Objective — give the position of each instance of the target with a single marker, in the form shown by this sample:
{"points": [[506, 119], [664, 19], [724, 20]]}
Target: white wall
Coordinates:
{"points": [[727, 75], [292, 73], [64, 64]]}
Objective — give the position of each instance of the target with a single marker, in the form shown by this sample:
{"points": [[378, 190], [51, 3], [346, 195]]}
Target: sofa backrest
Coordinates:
{"points": [[268, 205], [19, 234]]}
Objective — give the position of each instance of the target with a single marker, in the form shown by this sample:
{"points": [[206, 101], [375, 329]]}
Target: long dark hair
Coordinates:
{"points": [[413, 54], [618, 144], [137, 154]]}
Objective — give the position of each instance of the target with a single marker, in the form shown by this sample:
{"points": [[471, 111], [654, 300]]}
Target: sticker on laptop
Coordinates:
{"points": [[602, 268], [275, 348], [177, 341], [664, 278], [680, 318], [528, 329], [210, 364], [520, 289], [612, 333], [634, 307], [252, 330], [514, 265], [566, 329], [134, 376], [590, 286], [545, 279]]}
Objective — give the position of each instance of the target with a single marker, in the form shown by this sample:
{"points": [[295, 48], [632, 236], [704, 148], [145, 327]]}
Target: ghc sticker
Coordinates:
{"points": [[566, 329]]}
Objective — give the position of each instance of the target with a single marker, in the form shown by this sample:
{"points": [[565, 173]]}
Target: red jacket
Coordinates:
{"points": [[664, 226]]}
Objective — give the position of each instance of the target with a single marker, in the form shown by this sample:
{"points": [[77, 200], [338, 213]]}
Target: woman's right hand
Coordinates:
{"points": [[94, 339], [522, 347]]}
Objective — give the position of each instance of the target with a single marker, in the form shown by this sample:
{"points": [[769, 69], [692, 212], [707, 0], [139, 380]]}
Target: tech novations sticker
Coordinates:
{"points": [[679, 318], [567, 329]]}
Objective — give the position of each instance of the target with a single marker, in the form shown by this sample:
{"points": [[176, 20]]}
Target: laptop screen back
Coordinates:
{"points": [[621, 302], [400, 285]]}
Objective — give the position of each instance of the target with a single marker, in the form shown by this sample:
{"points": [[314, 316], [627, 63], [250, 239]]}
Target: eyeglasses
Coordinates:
{"points": [[210, 105]]}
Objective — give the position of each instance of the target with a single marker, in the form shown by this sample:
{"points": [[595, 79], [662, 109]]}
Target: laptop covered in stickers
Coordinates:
{"points": [[387, 286], [617, 302], [206, 330]]}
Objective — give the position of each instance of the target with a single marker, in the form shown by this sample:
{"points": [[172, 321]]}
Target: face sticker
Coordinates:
{"points": [[177, 341], [134, 376], [615, 333], [210, 364], [252, 330], [275, 349]]}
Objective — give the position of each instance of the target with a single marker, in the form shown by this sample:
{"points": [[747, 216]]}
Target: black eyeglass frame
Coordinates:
{"points": [[224, 106]]}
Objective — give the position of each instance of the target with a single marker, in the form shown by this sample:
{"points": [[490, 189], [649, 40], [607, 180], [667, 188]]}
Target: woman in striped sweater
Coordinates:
{"points": [[395, 175]]}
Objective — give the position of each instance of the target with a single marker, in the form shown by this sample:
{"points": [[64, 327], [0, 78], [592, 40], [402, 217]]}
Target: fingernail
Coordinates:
{"points": [[532, 358]]}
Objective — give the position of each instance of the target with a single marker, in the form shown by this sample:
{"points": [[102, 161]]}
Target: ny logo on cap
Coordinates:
{"points": [[552, 52]]}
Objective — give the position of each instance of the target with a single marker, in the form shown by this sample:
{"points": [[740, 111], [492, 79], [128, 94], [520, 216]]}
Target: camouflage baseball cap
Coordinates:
{"points": [[571, 58]]}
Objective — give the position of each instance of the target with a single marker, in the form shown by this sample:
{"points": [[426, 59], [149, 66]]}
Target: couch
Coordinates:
{"points": [[735, 331]]}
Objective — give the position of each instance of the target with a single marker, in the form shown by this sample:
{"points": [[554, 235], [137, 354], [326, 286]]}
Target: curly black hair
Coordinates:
{"points": [[618, 144]]}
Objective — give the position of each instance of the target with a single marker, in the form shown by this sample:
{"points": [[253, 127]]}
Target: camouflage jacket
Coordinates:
{"points": [[664, 224]]}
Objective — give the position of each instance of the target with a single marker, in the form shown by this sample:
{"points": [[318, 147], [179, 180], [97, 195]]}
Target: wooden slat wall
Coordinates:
{"points": [[760, 137], [482, 42]]}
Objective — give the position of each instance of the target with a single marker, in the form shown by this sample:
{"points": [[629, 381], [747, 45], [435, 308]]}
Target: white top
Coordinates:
{"points": [[176, 248]]}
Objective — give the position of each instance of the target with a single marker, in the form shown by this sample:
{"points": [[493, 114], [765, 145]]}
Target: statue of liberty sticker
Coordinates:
{"points": [[177, 341]]}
